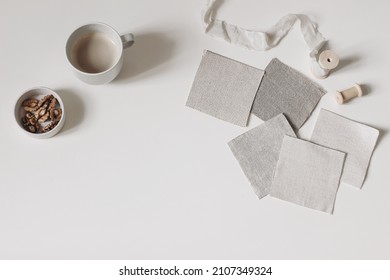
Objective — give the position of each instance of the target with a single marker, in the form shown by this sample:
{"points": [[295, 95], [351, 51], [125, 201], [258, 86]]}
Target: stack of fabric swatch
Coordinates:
{"points": [[274, 160]]}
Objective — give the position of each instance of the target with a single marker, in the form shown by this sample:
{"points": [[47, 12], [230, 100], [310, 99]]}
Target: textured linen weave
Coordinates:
{"points": [[285, 90], [307, 174], [257, 152], [356, 140], [224, 88]]}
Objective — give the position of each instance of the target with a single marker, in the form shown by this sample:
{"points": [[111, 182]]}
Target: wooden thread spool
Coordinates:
{"points": [[347, 94], [327, 61]]}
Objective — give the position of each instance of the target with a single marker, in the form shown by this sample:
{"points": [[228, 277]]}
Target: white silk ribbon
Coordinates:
{"points": [[259, 40]]}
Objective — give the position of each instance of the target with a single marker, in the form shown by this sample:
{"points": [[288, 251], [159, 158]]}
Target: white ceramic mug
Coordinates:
{"points": [[95, 52]]}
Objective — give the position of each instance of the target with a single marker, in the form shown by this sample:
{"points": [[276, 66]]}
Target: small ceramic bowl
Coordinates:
{"points": [[38, 93]]}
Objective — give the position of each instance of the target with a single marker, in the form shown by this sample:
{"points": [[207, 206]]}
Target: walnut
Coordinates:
{"points": [[57, 114], [46, 105], [25, 123], [52, 116], [49, 127], [44, 118], [45, 99], [32, 128], [53, 103], [39, 112], [30, 109], [32, 103], [30, 119]]}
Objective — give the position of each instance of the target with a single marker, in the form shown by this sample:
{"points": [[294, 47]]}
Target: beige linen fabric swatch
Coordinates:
{"points": [[224, 88], [285, 90], [356, 140], [307, 174], [257, 152]]}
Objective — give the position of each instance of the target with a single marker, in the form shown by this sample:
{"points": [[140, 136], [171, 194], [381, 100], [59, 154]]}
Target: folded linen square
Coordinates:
{"points": [[307, 174], [356, 140], [224, 88], [285, 90], [257, 152]]}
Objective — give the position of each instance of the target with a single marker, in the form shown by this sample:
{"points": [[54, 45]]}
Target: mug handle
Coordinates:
{"points": [[127, 40]]}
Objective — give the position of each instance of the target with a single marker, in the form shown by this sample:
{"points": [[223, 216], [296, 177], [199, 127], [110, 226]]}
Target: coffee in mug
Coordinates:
{"points": [[95, 51]]}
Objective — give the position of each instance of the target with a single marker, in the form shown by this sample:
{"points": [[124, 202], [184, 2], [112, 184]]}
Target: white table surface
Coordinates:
{"points": [[136, 175]]}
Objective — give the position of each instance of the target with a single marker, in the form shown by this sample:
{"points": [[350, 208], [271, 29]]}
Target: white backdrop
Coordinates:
{"points": [[136, 175]]}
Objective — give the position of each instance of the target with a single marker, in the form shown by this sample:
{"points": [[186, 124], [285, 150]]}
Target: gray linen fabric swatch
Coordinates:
{"points": [[224, 88], [356, 140], [285, 90], [257, 152], [307, 174]]}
